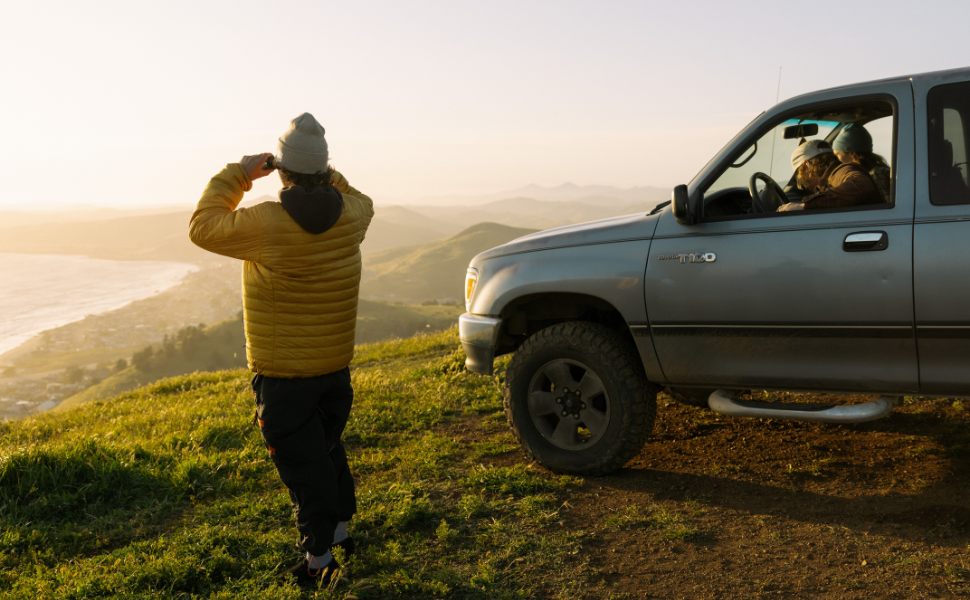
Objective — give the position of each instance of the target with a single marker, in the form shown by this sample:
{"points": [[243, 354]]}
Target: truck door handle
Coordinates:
{"points": [[865, 241]]}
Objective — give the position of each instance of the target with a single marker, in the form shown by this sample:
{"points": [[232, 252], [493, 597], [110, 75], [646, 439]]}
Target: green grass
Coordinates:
{"points": [[377, 322], [167, 491], [668, 523]]}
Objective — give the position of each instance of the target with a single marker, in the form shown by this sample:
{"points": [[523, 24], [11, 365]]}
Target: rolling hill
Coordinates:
{"points": [[223, 345], [168, 491], [434, 270], [567, 192], [218, 346], [395, 226]]}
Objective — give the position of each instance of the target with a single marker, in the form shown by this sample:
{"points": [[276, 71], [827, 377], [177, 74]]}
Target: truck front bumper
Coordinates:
{"points": [[479, 338]]}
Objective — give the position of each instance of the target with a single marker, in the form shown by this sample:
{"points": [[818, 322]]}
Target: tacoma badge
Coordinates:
{"points": [[693, 258]]}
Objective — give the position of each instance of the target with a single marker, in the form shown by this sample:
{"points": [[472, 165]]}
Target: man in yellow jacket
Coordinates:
{"points": [[301, 278]]}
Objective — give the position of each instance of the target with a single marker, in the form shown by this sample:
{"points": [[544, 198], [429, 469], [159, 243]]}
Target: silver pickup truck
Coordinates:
{"points": [[716, 292]]}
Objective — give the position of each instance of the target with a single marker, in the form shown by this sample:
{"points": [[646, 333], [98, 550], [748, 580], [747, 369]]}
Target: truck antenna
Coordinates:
{"points": [[778, 93], [771, 160]]}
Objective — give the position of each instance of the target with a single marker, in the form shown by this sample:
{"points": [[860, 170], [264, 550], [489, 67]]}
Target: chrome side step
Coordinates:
{"points": [[721, 402]]}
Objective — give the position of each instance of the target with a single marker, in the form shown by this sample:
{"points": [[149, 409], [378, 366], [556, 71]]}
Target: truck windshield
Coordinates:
{"points": [[771, 154]]}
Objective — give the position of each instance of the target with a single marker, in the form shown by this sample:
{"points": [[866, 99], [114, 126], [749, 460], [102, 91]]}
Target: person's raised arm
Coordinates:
{"points": [[343, 186], [366, 206], [216, 226]]}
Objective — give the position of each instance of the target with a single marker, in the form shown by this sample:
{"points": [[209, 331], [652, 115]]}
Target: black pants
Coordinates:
{"points": [[301, 421]]}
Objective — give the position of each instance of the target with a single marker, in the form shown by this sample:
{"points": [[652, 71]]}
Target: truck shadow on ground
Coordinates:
{"points": [[904, 476], [924, 513]]}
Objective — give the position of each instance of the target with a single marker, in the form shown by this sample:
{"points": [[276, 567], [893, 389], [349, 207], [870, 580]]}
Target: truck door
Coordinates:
{"points": [[942, 234], [812, 299]]}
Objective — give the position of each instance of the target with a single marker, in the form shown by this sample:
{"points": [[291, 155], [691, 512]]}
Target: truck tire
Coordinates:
{"points": [[598, 415]]}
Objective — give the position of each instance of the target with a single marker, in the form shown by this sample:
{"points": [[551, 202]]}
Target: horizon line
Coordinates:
{"points": [[85, 206]]}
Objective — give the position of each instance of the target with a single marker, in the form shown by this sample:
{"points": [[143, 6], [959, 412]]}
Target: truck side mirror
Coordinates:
{"points": [[684, 210]]}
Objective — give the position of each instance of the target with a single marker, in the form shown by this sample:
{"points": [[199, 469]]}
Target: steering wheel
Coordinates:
{"points": [[766, 201]]}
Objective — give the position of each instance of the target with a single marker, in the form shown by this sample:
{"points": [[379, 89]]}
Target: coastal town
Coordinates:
{"points": [[60, 362], [27, 396]]}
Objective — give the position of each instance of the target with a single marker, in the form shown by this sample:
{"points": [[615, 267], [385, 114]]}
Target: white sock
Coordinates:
{"points": [[340, 534], [318, 562]]}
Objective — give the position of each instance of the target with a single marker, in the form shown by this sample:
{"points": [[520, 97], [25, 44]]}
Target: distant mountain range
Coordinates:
{"points": [[527, 212], [151, 237], [597, 195], [144, 235], [80, 213]]}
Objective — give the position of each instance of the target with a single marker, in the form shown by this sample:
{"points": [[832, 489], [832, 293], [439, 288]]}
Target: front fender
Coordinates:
{"points": [[612, 272]]}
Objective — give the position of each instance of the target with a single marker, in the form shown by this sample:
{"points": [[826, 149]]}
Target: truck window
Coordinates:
{"points": [[728, 196], [948, 109]]}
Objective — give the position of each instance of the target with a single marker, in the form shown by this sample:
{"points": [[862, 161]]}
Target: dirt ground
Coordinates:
{"points": [[768, 508]]}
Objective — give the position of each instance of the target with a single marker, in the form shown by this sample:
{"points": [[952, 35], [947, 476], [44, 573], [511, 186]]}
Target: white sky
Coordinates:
{"points": [[131, 103]]}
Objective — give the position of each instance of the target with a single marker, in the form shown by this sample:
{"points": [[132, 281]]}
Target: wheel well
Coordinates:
{"points": [[527, 315]]}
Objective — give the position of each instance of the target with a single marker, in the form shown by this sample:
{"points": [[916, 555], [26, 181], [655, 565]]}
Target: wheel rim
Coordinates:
{"points": [[569, 405]]}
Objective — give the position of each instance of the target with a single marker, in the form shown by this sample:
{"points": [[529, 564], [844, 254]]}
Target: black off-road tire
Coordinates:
{"points": [[615, 361]]}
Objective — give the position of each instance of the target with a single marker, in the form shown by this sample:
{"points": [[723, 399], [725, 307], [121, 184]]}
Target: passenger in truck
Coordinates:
{"points": [[830, 182], [854, 145]]}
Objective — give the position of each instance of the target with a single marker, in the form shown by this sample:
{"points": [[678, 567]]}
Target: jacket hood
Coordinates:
{"points": [[616, 229], [315, 210]]}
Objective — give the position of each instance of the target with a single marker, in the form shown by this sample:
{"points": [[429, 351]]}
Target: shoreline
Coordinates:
{"points": [[35, 373], [171, 274], [140, 309]]}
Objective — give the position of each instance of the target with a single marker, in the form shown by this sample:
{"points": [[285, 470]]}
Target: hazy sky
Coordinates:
{"points": [[130, 103]]}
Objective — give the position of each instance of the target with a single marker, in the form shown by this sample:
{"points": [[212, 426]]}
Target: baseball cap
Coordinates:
{"points": [[808, 151]]}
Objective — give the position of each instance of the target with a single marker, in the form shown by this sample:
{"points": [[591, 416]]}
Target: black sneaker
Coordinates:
{"points": [[348, 546], [305, 575]]}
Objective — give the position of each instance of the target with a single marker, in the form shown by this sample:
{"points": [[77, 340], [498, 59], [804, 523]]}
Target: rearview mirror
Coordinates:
{"points": [[801, 130], [681, 205]]}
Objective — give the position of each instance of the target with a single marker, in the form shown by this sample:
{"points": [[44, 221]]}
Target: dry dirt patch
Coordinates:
{"points": [[719, 507]]}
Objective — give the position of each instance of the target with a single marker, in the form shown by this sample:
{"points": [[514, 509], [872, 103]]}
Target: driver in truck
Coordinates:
{"points": [[832, 183]]}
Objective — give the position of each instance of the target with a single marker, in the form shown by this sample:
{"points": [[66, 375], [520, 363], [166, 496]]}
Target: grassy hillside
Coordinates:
{"points": [[168, 492], [435, 270], [224, 345], [377, 322], [216, 347]]}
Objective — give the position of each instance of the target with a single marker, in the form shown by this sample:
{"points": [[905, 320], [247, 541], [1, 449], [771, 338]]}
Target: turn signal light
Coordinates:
{"points": [[471, 280]]}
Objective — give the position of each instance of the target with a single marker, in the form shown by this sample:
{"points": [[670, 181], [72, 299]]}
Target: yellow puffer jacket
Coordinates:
{"points": [[299, 288]]}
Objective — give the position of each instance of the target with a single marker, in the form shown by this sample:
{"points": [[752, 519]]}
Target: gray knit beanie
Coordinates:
{"points": [[854, 138], [303, 149]]}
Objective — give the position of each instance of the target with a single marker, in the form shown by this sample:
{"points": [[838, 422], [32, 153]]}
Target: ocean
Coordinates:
{"points": [[42, 291]]}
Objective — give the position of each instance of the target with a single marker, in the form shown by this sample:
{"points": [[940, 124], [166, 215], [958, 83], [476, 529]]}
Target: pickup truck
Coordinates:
{"points": [[715, 292]]}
